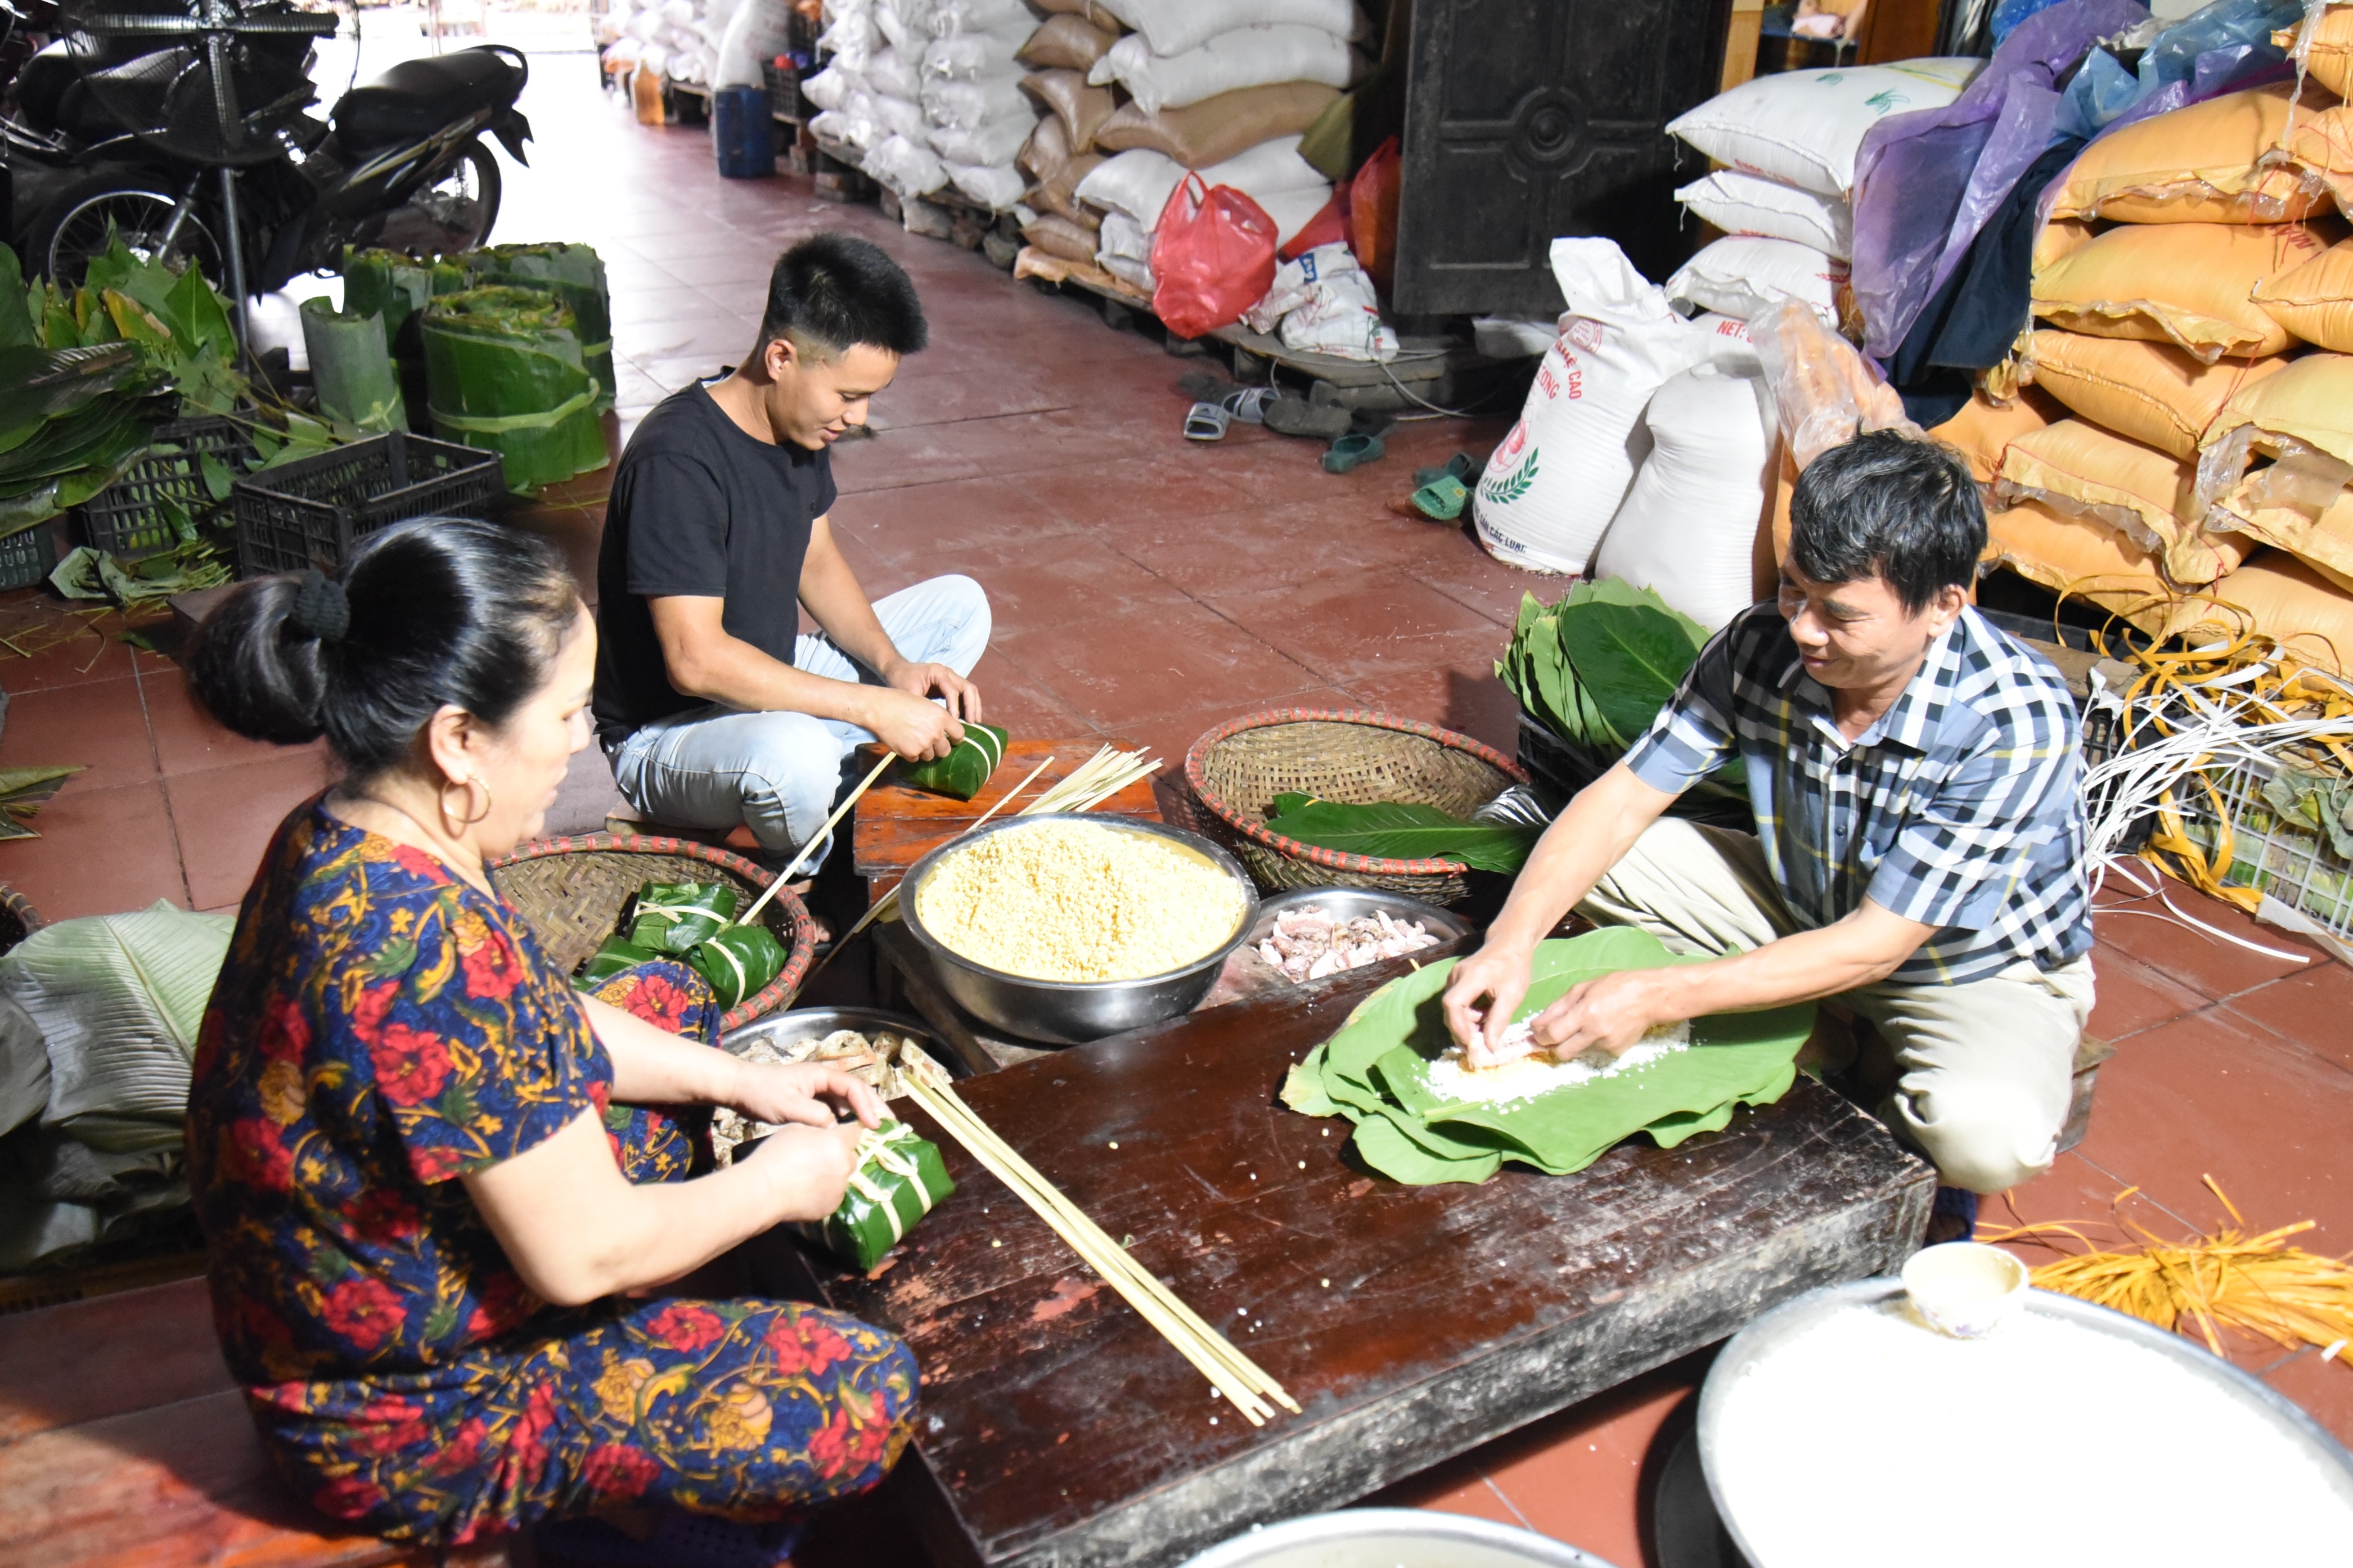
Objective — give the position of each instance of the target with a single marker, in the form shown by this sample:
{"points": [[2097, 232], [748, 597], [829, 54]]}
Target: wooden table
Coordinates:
{"points": [[1412, 1323], [897, 825]]}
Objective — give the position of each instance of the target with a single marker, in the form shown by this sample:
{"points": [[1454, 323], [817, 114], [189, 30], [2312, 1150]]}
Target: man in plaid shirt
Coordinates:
{"points": [[1919, 844]]}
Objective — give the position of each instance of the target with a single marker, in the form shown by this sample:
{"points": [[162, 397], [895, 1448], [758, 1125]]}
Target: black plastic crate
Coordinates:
{"points": [[310, 512], [127, 519], [28, 557]]}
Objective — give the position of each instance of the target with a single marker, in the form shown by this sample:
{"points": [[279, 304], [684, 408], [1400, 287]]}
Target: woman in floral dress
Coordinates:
{"points": [[436, 1202]]}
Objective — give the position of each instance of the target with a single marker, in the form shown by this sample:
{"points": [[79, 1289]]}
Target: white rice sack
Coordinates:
{"points": [[1743, 276], [829, 87], [654, 58], [1245, 57], [847, 128], [1340, 315], [1804, 127], [950, 17], [966, 105], [995, 187], [679, 12], [902, 117], [907, 168], [1122, 237], [757, 33], [1137, 183], [993, 142], [1745, 204], [1267, 169], [893, 73], [1688, 526], [1550, 490], [966, 56], [1172, 26], [851, 41], [643, 27], [904, 22], [1294, 285], [1294, 210]]}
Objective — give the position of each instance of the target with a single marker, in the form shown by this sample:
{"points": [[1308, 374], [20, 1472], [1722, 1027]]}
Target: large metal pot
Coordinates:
{"points": [[1063, 1012], [1393, 1538]]}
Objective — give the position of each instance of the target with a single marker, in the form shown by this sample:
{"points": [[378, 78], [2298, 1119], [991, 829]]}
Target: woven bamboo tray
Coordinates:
{"points": [[1237, 770], [18, 918], [571, 889]]}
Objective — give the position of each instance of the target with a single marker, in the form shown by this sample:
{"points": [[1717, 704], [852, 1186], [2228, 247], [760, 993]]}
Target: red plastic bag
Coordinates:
{"points": [[1212, 257], [1372, 211]]}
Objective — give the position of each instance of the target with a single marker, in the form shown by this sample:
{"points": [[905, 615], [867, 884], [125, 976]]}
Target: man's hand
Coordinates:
{"points": [[808, 1093], [915, 729], [809, 1168], [1612, 1012], [1498, 977], [962, 697]]}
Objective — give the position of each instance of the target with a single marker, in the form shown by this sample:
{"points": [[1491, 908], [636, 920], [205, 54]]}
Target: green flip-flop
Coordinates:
{"points": [[1351, 451], [1441, 499], [1461, 466]]}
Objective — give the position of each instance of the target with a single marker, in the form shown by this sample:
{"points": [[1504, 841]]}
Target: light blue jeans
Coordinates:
{"points": [[780, 774]]}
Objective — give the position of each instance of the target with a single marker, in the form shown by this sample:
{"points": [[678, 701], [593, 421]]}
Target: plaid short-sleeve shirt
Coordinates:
{"points": [[1961, 807]]}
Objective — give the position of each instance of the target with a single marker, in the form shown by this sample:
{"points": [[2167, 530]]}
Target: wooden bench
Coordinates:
{"points": [[123, 1441]]}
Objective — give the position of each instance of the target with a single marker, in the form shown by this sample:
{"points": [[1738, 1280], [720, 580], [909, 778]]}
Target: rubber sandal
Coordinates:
{"points": [[1206, 422], [1461, 466], [1312, 421], [1352, 451], [1441, 499], [1249, 404]]}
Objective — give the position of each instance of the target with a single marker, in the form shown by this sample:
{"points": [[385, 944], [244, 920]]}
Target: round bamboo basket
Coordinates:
{"points": [[1237, 770], [18, 918], [572, 890]]}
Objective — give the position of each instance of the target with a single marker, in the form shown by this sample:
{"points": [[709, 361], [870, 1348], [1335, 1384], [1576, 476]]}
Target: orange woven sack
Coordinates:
{"points": [[1212, 257], [2315, 301]]}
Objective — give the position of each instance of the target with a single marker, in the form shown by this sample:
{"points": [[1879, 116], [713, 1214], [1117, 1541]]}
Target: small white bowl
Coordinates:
{"points": [[1965, 1289]]}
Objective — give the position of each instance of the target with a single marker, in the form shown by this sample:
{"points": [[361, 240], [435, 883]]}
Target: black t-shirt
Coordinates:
{"points": [[700, 510]]}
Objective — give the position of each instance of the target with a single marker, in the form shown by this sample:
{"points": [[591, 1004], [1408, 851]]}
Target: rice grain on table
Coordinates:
{"points": [[1079, 902]]}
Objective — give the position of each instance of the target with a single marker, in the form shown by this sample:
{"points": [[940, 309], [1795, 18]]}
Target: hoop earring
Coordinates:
{"points": [[469, 784]]}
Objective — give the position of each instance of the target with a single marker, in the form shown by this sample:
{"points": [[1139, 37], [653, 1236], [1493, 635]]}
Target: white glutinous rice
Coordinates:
{"points": [[2086, 1448], [1539, 1072]]}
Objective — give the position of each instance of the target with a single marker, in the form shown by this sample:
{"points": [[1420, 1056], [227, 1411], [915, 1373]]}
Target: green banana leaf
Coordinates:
{"points": [[899, 1179], [965, 768], [186, 567], [738, 961], [118, 270], [503, 366], [672, 916], [1405, 830], [38, 383], [352, 368], [1375, 1071], [616, 954], [575, 274], [23, 792], [1629, 651], [16, 326], [390, 285]]}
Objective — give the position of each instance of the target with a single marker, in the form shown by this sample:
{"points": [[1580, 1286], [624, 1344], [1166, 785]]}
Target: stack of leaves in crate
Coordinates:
{"points": [[1595, 669], [505, 372]]}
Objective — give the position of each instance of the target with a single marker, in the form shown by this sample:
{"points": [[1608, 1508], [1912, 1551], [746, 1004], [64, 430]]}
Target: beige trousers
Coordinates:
{"points": [[1986, 1067]]}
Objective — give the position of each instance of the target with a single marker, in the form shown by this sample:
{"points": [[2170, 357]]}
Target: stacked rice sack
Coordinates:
{"points": [[2182, 451], [1784, 198], [1139, 93], [673, 39], [925, 94]]}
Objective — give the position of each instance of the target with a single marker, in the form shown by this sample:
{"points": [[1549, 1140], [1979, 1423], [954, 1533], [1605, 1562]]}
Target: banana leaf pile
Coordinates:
{"points": [[1404, 830], [1596, 667], [351, 367], [965, 768], [573, 273], [1376, 1072], [395, 289], [504, 372]]}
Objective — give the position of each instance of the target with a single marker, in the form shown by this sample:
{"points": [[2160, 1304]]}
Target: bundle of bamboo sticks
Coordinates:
{"points": [[1231, 1374], [2288, 1295]]}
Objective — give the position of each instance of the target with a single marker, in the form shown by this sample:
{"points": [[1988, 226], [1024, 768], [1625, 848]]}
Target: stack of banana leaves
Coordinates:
{"points": [[393, 289], [1595, 669], [86, 376], [573, 273], [504, 371]]}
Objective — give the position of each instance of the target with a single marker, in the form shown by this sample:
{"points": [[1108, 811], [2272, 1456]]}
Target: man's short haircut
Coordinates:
{"points": [[1890, 506], [831, 291]]}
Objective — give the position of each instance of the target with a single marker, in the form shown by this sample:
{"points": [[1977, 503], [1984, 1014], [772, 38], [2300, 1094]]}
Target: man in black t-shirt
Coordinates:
{"points": [[711, 706]]}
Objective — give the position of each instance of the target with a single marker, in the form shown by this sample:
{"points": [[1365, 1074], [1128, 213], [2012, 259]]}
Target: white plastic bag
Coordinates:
{"points": [[850, 41], [1804, 127], [829, 87], [967, 56], [1246, 56], [1744, 276], [1172, 26], [1137, 183], [1747, 204], [995, 187], [1688, 525], [907, 168], [891, 73], [902, 117], [1551, 488], [967, 105], [1294, 285]]}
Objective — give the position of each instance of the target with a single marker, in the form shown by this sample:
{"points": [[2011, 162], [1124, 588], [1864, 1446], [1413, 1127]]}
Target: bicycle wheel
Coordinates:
{"points": [[89, 215], [452, 213]]}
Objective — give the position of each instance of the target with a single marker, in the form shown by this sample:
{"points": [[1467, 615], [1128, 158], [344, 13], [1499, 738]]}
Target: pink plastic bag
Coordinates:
{"points": [[1212, 257]]}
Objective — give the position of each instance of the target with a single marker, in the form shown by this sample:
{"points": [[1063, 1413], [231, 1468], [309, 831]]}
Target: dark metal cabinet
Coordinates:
{"points": [[1531, 119]]}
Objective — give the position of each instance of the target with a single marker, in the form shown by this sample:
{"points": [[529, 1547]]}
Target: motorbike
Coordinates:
{"points": [[183, 127]]}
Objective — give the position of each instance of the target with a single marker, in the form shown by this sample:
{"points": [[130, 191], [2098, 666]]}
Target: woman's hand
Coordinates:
{"points": [[809, 1168], [809, 1094], [1496, 976], [1612, 1012]]}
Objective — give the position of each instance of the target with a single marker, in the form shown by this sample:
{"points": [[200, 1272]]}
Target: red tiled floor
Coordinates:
{"points": [[226, 817], [99, 728], [100, 852], [2133, 997], [1363, 624], [2314, 1005], [2214, 969]]}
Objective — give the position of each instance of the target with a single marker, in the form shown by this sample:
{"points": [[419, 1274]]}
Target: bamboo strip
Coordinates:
{"points": [[814, 840]]}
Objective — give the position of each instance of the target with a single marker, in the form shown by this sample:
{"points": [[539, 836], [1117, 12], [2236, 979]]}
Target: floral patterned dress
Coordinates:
{"points": [[382, 1028]]}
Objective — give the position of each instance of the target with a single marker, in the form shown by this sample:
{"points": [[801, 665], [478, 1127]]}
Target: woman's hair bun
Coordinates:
{"points": [[430, 613]]}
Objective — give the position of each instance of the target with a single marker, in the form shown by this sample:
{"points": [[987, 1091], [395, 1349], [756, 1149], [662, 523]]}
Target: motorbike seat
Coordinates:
{"points": [[416, 97]]}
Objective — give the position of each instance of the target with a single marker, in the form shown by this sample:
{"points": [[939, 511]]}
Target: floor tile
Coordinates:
{"points": [[226, 817], [1037, 584], [737, 273], [1477, 579], [2146, 931], [920, 398], [670, 302], [2211, 1095], [1578, 1476], [2315, 1005], [59, 647], [1362, 624], [1468, 700], [99, 728], [187, 738], [2133, 997], [1151, 663], [933, 527], [100, 852], [1012, 702]]}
